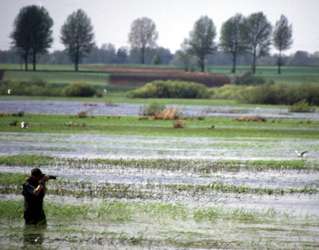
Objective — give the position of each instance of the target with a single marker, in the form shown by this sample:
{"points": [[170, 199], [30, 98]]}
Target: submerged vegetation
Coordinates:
{"points": [[197, 166], [119, 212], [12, 183]]}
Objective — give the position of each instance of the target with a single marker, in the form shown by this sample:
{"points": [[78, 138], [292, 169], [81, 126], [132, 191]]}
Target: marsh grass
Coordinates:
{"points": [[196, 166], [11, 183], [123, 212], [26, 160], [12, 179]]}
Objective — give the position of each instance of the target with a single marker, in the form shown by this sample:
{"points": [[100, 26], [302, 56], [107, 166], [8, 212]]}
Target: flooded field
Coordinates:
{"points": [[250, 190], [148, 192], [73, 107], [148, 147]]}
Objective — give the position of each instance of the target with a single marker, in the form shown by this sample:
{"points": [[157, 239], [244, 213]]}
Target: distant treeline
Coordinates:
{"points": [[243, 40], [108, 54]]}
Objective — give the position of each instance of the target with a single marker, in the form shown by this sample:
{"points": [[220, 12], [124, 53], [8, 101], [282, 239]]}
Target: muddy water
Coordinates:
{"points": [[141, 147], [73, 107]]}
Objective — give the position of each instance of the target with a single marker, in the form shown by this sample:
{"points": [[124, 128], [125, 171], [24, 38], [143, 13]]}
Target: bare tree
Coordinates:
{"points": [[282, 38], [143, 35], [257, 36], [231, 40], [77, 36], [201, 40]]}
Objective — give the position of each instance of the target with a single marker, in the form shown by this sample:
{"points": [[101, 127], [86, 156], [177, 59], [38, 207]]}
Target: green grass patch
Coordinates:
{"points": [[12, 179], [26, 160], [222, 127], [290, 74], [58, 77]]}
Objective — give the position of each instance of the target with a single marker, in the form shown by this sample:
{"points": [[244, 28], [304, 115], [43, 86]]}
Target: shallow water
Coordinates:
{"points": [[143, 147], [162, 233], [74, 107], [261, 179]]}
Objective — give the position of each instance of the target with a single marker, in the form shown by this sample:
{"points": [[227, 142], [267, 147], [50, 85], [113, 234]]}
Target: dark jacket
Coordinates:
{"points": [[33, 204]]}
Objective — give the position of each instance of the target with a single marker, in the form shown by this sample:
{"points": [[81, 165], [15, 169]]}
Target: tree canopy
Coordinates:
{"points": [[32, 34], [201, 41], [143, 35], [231, 40], [282, 38], [257, 36], [77, 36]]}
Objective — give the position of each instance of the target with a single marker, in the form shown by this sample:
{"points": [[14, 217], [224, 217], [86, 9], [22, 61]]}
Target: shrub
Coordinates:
{"points": [[168, 114], [79, 90], [18, 114], [281, 94], [171, 89], [152, 109], [178, 124], [14, 123], [99, 94], [230, 91], [82, 114], [249, 79], [301, 106], [141, 77], [30, 88]]}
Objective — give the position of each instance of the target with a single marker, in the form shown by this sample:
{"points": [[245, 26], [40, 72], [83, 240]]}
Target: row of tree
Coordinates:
{"points": [[252, 35], [240, 35], [108, 54]]}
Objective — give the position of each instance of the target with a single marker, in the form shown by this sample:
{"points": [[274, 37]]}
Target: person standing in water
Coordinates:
{"points": [[34, 191]]}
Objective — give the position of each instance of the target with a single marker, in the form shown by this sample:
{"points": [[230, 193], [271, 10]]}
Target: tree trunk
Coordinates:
{"points": [[201, 63], [254, 62], [34, 60], [26, 61], [234, 63], [76, 60], [143, 55], [279, 63]]}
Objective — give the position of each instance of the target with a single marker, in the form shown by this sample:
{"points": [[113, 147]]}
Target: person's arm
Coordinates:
{"points": [[40, 187]]}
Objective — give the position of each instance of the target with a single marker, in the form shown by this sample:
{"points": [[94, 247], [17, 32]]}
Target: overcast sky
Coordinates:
{"points": [[174, 18]]}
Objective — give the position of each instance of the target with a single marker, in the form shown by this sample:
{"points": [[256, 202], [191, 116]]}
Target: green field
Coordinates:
{"points": [[290, 75], [58, 77]]}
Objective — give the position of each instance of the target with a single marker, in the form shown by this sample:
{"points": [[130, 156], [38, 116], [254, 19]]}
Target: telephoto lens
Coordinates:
{"points": [[52, 177]]}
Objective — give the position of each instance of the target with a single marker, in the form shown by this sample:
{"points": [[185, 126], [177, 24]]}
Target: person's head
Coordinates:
{"points": [[37, 174]]}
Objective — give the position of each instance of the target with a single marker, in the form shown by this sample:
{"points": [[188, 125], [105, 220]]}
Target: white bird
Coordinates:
{"points": [[9, 91], [301, 154], [24, 124]]}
